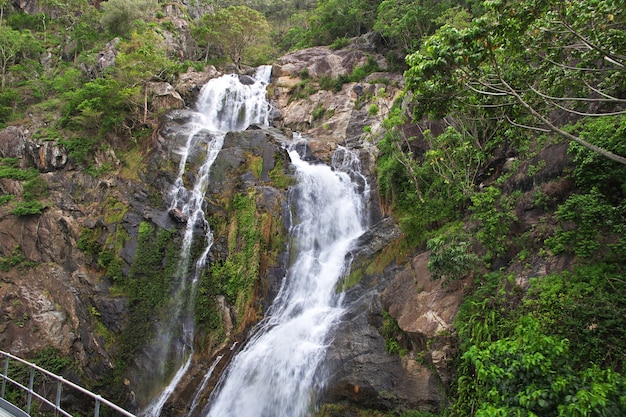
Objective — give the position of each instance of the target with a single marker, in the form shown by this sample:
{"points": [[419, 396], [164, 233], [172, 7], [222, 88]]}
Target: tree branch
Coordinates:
{"points": [[539, 129], [593, 100], [613, 58], [555, 129]]}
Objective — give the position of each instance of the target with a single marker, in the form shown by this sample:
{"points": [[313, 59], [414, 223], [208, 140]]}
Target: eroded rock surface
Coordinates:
{"points": [[332, 117]]}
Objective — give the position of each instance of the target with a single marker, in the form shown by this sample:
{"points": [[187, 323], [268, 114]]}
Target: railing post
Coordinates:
{"points": [[57, 400], [5, 373], [31, 383], [96, 412]]}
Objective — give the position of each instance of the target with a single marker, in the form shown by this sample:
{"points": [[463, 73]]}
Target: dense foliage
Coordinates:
{"points": [[518, 78]]}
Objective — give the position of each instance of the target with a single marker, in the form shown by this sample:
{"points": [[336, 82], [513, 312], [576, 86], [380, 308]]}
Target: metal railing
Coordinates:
{"points": [[32, 394]]}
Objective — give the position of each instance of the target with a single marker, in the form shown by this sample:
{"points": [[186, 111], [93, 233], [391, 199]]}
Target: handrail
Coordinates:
{"points": [[60, 382]]}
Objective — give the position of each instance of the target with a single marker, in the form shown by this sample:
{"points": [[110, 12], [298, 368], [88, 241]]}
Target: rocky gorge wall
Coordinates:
{"points": [[62, 268]]}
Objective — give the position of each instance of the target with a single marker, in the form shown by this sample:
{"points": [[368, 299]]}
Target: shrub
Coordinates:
{"points": [[8, 100], [450, 258], [362, 71], [339, 43], [529, 373], [27, 208], [118, 15], [591, 227], [584, 306], [331, 84], [318, 111], [16, 258], [9, 168], [35, 188], [391, 331], [373, 110], [4, 199], [495, 215]]}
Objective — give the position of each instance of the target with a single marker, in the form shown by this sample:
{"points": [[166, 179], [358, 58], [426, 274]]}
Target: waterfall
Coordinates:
{"points": [[275, 373], [225, 104]]}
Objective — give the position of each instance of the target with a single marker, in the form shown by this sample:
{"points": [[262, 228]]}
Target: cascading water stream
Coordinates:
{"points": [[225, 104], [275, 373]]}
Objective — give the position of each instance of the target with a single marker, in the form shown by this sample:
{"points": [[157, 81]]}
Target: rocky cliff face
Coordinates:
{"points": [[61, 268], [384, 285]]}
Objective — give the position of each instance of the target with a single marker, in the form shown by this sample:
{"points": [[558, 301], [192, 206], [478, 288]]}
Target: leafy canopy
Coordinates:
{"points": [[546, 61], [239, 31]]}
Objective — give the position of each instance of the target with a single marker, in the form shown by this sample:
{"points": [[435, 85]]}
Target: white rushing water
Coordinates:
{"points": [[224, 105], [275, 373]]}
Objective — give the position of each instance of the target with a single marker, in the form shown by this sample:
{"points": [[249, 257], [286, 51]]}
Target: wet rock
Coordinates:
{"points": [[190, 83], [178, 215], [111, 311], [363, 373], [246, 79]]}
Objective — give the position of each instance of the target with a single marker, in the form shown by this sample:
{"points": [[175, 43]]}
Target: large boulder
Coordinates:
{"points": [[164, 97], [361, 371], [46, 156], [12, 141], [358, 369], [425, 311]]}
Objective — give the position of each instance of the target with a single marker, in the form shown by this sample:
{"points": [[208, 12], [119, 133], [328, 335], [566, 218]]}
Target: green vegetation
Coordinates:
{"points": [[451, 257], [148, 286], [496, 87], [238, 32], [277, 174], [16, 259], [47, 358], [34, 188], [392, 334], [27, 208], [118, 15], [9, 168], [5, 199], [555, 351], [237, 275]]}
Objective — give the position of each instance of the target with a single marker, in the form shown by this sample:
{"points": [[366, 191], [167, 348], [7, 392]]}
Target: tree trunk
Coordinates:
{"points": [[145, 103]]}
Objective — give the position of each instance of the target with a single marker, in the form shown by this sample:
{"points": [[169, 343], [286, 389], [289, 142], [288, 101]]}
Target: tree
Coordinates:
{"points": [[118, 15], [547, 63], [140, 60], [13, 45], [406, 22], [3, 4], [238, 30], [334, 19]]}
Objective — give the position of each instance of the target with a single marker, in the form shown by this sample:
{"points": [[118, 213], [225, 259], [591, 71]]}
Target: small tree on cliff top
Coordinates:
{"points": [[238, 31]]}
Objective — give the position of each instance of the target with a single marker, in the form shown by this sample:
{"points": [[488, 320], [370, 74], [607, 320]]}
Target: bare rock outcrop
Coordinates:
{"points": [[362, 372], [332, 116], [164, 97], [18, 142], [425, 311]]}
